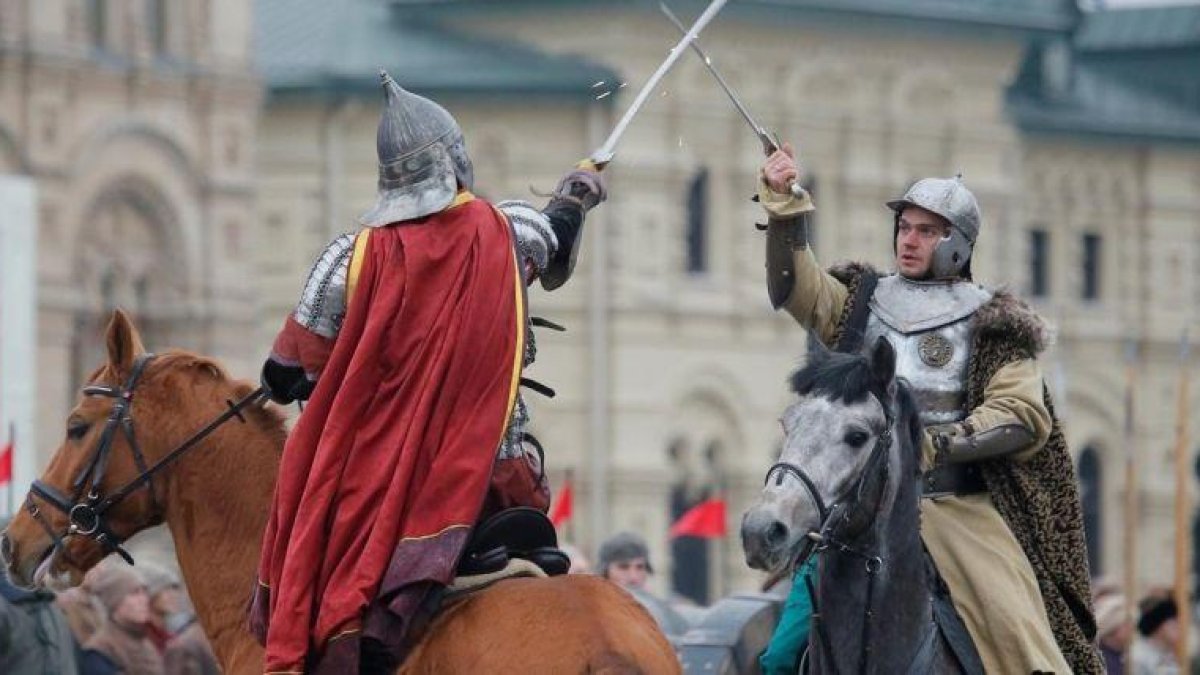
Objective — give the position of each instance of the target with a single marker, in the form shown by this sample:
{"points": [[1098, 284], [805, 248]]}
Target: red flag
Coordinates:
{"points": [[564, 507], [6, 459], [705, 520]]}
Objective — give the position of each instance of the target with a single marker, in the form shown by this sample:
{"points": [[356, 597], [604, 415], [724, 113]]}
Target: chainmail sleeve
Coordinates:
{"points": [[536, 241], [323, 303]]}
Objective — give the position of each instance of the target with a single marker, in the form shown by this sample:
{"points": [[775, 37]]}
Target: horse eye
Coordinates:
{"points": [[856, 439], [78, 430]]}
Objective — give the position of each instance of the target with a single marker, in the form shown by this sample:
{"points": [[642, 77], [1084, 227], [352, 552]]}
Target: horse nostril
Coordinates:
{"points": [[776, 534], [6, 549]]}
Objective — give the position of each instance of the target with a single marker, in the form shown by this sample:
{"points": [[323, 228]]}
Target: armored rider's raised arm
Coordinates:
{"points": [[795, 281], [549, 240]]}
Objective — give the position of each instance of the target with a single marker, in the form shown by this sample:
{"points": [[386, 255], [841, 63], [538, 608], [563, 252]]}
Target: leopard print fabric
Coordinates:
{"points": [[850, 274], [1038, 498]]}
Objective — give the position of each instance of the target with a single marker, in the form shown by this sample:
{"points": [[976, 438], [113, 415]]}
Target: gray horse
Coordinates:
{"points": [[846, 488]]}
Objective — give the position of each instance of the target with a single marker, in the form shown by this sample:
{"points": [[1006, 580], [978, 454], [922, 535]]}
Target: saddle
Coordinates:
{"points": [[520, 533]]}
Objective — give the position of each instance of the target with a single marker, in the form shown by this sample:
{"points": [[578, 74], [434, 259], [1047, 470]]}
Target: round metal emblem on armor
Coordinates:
{"points": [[935, 350]]}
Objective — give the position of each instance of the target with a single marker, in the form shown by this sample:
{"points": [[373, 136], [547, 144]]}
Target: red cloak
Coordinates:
{"points": [[387, 468]]}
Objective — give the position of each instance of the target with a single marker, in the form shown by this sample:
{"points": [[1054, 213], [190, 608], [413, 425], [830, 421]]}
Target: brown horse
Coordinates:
{"points": [[216, 497]]}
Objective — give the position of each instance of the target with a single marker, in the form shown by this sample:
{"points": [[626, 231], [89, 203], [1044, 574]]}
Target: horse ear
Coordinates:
{"points": [[817, 351], [883, 361], [124, 343]]}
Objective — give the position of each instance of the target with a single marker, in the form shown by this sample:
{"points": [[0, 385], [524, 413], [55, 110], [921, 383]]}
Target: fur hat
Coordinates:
{"points": [[1110, 613], [1156, 612], [158, 578], [112, 583], [621, 547]]}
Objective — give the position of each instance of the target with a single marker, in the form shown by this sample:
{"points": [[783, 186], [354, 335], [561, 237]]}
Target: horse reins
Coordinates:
{"points": [[829, 534], [86, 517]]}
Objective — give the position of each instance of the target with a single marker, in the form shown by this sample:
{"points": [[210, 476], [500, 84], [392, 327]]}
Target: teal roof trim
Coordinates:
{"points": [[1155, 28], [320, 47], [1106, 98], [1024, 15]]}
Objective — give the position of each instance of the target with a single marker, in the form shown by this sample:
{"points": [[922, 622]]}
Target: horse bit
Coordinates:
{"points": [[86, 517]]}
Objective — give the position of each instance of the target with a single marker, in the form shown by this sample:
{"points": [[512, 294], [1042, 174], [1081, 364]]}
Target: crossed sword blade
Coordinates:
{"points": [[770, 142], [604, 154]]}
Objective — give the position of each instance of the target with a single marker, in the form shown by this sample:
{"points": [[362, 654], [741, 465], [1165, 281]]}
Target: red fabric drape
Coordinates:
{"points": [[386, 470]]}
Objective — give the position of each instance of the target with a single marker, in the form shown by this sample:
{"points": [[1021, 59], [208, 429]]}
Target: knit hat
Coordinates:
{"points": [[113, 583], [621, 547], [1110, 613], [1155, 614], [158, 578]]}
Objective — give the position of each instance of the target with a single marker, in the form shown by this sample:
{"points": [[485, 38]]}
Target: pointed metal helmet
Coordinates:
{"points": [[422, 157], [950, 199]]}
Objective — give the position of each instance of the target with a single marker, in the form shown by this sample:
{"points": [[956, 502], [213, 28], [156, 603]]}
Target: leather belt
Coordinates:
{"points": [[953, 479], [933, 400]]}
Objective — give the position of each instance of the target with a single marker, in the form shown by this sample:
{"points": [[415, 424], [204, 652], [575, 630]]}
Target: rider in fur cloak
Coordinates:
{"points": [[1001, 516]]}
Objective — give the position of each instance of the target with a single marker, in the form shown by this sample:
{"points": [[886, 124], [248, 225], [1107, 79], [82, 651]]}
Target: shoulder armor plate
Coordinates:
{"points": [[914, 306]]}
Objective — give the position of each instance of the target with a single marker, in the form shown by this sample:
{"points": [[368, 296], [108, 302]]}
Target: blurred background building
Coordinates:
{"points": [[191, 159]]}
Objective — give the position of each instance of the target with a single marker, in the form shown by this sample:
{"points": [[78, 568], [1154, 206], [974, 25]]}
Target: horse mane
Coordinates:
{"points": [[848, 378], [836, 376], [174, 360]]}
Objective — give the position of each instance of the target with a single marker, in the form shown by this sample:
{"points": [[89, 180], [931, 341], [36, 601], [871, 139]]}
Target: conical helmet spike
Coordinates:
{"points": [[422, 159]]}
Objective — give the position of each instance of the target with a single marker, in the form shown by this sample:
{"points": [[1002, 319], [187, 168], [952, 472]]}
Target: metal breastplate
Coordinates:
{"points": [[928, 323]]}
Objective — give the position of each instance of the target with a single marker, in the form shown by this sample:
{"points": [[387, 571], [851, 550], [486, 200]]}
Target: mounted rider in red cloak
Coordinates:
{"points": [[408, 343]]}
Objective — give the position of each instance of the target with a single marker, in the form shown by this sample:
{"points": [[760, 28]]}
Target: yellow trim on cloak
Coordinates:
{"points": [[519, 351], [360, 247], [519, 356], [356, 263]]}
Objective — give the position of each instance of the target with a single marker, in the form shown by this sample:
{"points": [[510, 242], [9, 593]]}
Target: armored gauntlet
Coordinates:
{"points": [[960, 444], [577, 193]]}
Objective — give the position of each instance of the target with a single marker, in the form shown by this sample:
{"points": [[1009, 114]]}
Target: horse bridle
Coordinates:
{"points": [[782, 469], [833, 533], [86, 516]]}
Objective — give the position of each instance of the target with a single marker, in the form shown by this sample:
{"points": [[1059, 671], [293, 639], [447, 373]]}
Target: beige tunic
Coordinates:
{"points": [[993, 585]]}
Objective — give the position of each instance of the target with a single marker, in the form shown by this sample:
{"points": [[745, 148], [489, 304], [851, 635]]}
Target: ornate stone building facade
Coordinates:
{"points": [[137, 120]]}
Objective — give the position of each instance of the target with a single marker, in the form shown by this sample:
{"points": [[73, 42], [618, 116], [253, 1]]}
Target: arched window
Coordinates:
{"points": [[1091, 496], [689, 574], [97, 17], [156, 25], [125, 259], [697, 223], [1196, 527]]}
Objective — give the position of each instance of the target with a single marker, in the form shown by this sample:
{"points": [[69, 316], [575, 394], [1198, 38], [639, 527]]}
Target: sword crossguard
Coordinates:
{"points": [[591, 164]]}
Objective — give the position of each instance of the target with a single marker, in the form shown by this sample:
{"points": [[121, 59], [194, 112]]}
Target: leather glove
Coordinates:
{"points": [[947, 438], [960, 443], [583, 185], [285, 384]]}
